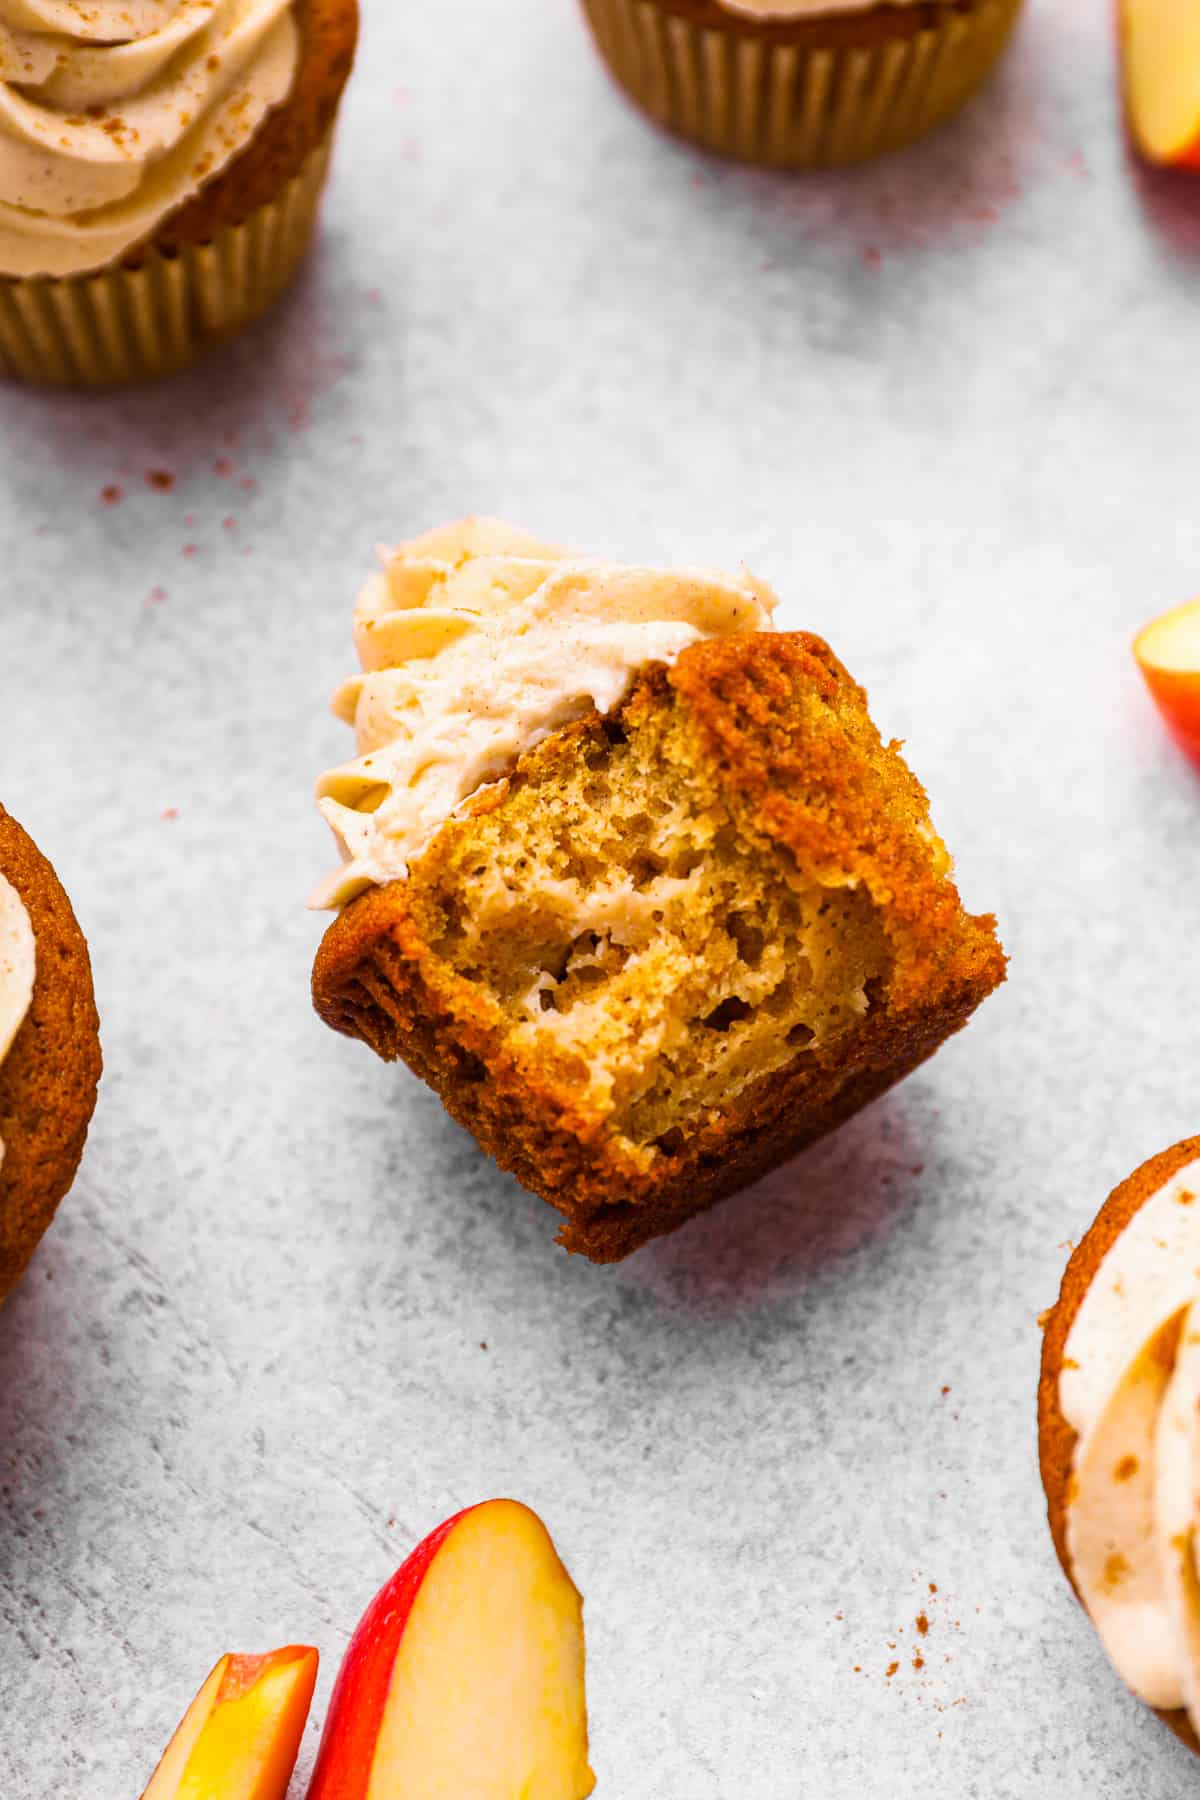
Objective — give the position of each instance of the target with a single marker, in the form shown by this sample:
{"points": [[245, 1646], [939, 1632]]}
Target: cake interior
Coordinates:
{"points": [[650, 949]]}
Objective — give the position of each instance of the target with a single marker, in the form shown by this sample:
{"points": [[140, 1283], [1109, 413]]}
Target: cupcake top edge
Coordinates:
{"points": [[1129, 1387], [782, 10], [113, 115], [476, 642]]}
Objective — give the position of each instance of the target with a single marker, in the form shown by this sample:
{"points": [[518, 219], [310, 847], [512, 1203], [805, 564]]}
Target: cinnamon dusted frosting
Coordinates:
{"points": [[802, 9], [476, 642], [18, 960], [115, 112], [1130, 1388]]}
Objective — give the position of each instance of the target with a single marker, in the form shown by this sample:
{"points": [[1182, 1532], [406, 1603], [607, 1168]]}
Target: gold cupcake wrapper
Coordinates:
{"points": [[132, 323], [764, 100]]}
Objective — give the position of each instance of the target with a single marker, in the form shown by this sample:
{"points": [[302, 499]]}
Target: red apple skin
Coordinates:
{"points": [[1177, 695], [356, 1707]]}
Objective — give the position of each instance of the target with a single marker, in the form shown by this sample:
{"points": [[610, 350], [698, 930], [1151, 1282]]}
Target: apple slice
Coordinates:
{"points": [[1168, 654], [239, 1738], [1161, 45], [466, 1674]]}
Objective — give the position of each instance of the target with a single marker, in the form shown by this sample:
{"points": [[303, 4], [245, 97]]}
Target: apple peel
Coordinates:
{"points": [[465, 1675]]}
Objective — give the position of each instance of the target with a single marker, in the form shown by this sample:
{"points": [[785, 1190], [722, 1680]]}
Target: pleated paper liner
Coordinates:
{"points": [[802, 104], [134, 322]]}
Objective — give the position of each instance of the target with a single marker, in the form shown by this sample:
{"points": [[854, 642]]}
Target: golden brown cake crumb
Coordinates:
{"points": [[48, 1079], [673, 946]]}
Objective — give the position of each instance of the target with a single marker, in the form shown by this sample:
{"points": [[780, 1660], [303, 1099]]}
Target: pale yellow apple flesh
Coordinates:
{"points": [[1161, 45], [487, 1695], [1168, 654], [240, 1736]]}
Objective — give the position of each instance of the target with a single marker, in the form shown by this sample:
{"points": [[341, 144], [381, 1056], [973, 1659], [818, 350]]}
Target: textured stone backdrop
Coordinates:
{"points": [[948, 406]]}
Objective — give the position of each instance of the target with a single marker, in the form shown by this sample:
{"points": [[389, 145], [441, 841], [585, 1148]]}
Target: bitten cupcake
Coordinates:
{"points": [[629, 877], [801, 83], [1119, 1431], [49, 1047], [161, 162]]}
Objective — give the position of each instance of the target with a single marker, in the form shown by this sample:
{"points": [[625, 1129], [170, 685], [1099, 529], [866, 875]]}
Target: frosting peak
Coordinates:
{"points": [[114, 112], [1130, 1389], [18, 961], [476, 642]]}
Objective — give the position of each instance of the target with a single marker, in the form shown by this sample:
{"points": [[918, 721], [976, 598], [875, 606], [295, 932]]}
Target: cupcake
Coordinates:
{"points": [[1119, 1431], [161, 162], [49, 1047], [801, 83], [628, 877]]}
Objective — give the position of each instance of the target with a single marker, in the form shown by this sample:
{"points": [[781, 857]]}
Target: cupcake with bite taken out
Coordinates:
{"points": [[161, 162], [801, 83], [1119, 1431], [628, 876]]}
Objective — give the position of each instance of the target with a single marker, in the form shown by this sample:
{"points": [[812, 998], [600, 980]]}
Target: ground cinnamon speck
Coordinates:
{"points": [[922, 1624], [160, 479], [111, 495], [891, 1669]]}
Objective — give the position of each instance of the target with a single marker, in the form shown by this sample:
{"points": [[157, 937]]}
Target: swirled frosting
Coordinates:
{"points": [[1130, 1388], [115, 112], [18, 961], [476, 642]]}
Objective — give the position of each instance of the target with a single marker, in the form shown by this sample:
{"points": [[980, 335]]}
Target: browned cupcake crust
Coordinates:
{"points": [[1056, 1439], [287, 137], [797, 795], [48, 1079]]}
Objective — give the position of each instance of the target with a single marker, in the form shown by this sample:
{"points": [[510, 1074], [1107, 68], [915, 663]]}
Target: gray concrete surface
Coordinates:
{"points": [[948, 406]]}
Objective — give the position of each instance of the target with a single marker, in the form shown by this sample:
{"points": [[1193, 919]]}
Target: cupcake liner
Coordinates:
{"points": [[756, 96], [154, 316]]}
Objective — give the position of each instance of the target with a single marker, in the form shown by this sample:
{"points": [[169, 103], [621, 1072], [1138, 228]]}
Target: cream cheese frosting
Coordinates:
{"points": [[1130, 1388], [18, 967], [113, 113], [476, 642], [802, 9]]}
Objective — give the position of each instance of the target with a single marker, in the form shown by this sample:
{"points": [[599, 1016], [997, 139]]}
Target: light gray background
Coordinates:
{"points": [[947, 405]]}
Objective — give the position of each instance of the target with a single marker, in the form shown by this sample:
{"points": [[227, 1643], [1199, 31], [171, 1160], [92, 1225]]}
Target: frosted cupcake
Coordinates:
{"points": [[1119, 1431], [49, 1047], [161, 163], [629, 877], [801, 83]]}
